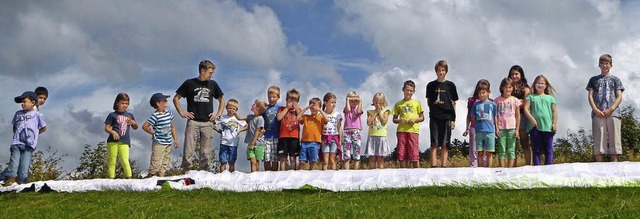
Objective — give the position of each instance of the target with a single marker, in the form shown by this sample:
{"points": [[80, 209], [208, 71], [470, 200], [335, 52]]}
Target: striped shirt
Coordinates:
{"points": [[161, 125]]}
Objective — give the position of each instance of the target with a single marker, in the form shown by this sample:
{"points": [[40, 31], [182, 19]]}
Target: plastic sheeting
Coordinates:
{"points": [[559, 175]]}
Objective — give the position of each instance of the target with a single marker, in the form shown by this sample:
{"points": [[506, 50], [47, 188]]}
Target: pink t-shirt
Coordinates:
{"points": [[352, 119], [507, 112]]}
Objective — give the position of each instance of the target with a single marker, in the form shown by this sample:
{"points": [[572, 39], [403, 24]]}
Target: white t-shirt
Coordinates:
{"points": [[230, 127], [331, 128]]}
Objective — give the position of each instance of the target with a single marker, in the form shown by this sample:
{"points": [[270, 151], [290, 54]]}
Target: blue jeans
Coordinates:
{"points": [[19, 162]]}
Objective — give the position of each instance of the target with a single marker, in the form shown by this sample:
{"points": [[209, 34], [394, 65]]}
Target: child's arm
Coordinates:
{"points": [[109, 130], [468, 126], [325, 116], [239, 117], [371, 118], [347, 107], [299, 117], [175, 135], [592, 103], [244, 128], [132, 122], [215, 128], [417, 120], [527, 113], [384, 117], [397, 119], [147, 128], [495, 123], [516, 134], [255, 138], [555, 118], [282, 113], [359, 107], [42, 130], [339, 132], [615, 105]]}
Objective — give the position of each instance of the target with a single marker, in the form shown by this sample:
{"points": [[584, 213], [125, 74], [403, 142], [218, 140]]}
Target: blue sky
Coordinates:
{"points": [[86, 53]]}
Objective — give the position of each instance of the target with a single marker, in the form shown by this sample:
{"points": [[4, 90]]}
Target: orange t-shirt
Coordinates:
{"points": [[312, 131], [289, 126]]}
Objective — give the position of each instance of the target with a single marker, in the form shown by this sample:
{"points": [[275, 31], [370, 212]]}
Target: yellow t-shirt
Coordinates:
{"points": [[377, 129], [312, 128], [409, 109]]}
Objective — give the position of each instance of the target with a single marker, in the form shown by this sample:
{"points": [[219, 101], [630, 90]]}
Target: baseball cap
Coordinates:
{"points": [[26, 94], [157, 97]]}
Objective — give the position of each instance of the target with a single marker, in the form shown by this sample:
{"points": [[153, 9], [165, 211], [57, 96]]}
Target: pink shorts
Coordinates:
{"points": [[408, 147]]}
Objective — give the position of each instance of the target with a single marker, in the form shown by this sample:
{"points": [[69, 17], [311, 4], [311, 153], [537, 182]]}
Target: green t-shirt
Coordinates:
{"points": [[540, 108], [409, 109], [377, 129]]}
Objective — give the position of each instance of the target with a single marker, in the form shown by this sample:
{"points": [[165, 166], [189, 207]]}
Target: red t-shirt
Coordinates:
{"points": [[289, 125]]}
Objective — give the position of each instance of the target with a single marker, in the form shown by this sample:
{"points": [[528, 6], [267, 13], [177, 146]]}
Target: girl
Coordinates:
{"points": [[540, 109], [331, 132], [377, 144], [117, 126], [352, 128], [521, 90], [508, 122], [471, 124]]}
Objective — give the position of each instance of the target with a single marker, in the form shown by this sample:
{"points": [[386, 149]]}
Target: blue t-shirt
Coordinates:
{"points": [[119, 123], [271, 123], [485, 113], [604, 92], [27, 125], [161, 125]]}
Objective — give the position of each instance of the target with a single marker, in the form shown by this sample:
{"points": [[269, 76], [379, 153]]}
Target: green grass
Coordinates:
{"points": [[423, 202]]}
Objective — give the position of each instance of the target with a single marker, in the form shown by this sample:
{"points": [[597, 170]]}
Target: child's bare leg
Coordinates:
{"points": [[614, 158], [332, 161], [415, 164], [444, 155], [283, 163], [489, 158], [267, 165], [232, 167], [356, 164], [501, 162], [292, 161], [346, 164], [511, 162], [380, 162], [301, 165], [434, 155], [312, 165], [223, 167], [372, 162], [526, 147], [325, 161], [403, 164], [254, 164], [599, 157]]}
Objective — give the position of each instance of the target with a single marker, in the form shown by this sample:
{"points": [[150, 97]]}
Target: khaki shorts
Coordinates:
{"points": [[606, 135]]}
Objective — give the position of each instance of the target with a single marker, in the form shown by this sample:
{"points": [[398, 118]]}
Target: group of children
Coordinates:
{"points": [[328, 135]]}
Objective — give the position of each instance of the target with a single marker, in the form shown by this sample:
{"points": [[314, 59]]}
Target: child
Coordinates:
{"points": [[407, 113], [441, 98], [272, 129], [605, 95], [27, 126], [485, 113], [289, 141], [508, 123], [331, 132], [311, 134], [377, 144], [117, 126], [471, 125], [352, 138], [230, 129], [521, 90], [540, 109], [254, 137], [43, 95], [160, 126]]}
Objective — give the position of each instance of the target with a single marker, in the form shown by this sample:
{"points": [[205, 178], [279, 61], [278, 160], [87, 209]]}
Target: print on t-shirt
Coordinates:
{"points": [[123, 124], [407, 109], [484, 114], [201, 95]]}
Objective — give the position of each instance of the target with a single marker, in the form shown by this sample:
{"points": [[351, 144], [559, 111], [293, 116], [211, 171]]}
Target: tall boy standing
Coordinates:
{"points": [[272, 129], [289, 142], [199, 92], [441, 98], [605, 96], [407, 113]]}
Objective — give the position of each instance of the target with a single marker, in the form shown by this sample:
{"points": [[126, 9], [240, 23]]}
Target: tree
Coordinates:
{"points": [[630, 131], [576, 147], [46, 166]]}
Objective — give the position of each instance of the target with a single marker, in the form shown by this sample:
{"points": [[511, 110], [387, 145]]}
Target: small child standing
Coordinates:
{"points": [[331, 132], [508, 123], [254, 137], [377, 144], [289, 141], [311, 133], [471, 125], [352, 138], [605, 96], [441, 98], [117, 126], [485, 113], [540, 109], [27, 124], [407, 113], [230, 129], [160, 126], [272, 129]]}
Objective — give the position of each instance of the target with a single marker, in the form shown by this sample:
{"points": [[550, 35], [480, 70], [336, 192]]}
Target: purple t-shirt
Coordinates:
{"points": [[27, 125], [352, 119]]}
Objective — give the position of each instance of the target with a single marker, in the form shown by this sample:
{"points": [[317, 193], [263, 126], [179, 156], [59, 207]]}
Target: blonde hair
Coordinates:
{"points": [[547, 90], [379, 96], [274, 90], [262, 105], [441, 63], [293, 94], [352, 94], [232, 103]]}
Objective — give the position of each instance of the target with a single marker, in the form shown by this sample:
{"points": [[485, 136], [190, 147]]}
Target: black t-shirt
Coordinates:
{"points": [[200, 96], [440, 97]]}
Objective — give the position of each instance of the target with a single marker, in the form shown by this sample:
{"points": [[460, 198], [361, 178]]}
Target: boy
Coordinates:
{"points": [[254, 137], [272, 129], [485, 114], [200, 93], [231, 127], [605, 96], [441, 99], [311, 134], [43, 95], [407, 113], [289, 142], [163, 134], [27, 125]]}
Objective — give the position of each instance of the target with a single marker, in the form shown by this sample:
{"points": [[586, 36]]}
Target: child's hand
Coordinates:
{"points": [[131, 122], [410, 122], [465, 133], [498, 133], [453, 125], [175, 144], [534, 124], [115, 135], [516, 135], [250, 147], [553, 128]]}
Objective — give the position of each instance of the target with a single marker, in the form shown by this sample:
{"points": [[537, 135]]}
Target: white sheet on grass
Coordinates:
{"points": [[559, 175]]}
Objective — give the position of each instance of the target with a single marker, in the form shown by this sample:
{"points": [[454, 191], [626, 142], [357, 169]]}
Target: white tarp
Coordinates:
{"points": [[559, 175]]}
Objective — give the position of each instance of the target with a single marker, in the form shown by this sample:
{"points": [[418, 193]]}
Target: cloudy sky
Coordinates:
{"points": [[87, 52]]}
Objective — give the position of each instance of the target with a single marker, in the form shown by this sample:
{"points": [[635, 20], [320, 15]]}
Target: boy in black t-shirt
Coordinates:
{"points": [[199, 93], [441, 97]]}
